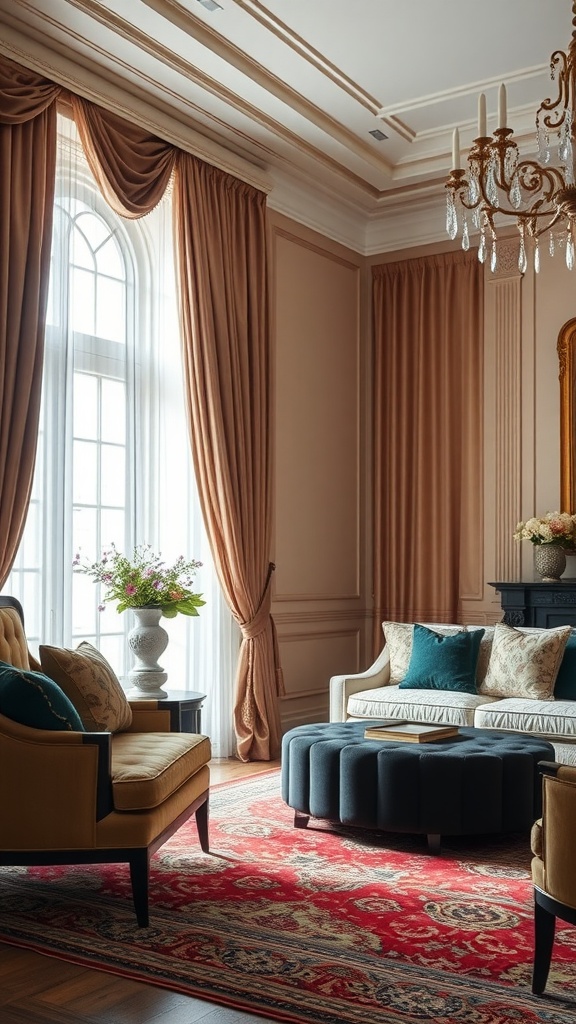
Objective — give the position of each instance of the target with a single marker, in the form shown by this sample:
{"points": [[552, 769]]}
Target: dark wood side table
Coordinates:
{"points": [[534, 603], [185, 710]]}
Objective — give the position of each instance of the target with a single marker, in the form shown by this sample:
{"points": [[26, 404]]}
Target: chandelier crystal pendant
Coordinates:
{"points": [[540, 194]]}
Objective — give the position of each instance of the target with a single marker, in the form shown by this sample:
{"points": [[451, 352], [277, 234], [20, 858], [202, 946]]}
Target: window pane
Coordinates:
{"points": [[85, 600], [112, 528], [81, 254], [84, 533], [110, 312], [29, 597], [113, 411], [85, 489], [85, 406], [110, 260], [113, 646], [75, 205], [82, 301], [113, 475], [29, 551], [94, 229]]}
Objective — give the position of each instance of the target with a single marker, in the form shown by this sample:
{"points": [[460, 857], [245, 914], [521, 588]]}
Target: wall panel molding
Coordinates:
{"points": [[507, 375]]}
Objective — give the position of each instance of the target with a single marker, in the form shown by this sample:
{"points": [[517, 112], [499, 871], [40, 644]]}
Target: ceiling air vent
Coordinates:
{"points": [[378, 135], [211, 5]]}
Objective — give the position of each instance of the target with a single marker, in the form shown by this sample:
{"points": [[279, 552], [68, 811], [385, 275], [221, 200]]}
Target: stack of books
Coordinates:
{"points": [[410, 732]]}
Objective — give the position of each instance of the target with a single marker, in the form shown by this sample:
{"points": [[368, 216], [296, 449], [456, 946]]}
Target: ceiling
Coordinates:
{"points": [[287, 92]]}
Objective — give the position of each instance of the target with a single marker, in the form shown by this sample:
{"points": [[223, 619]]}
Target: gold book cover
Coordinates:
{"points": [[411, 732]]}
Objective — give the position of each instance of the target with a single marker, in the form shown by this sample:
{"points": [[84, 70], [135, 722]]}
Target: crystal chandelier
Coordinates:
{"points": [[540, 194]]}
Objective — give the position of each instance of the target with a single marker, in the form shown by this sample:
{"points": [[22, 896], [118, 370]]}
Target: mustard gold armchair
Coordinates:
{"points": [[71, 793], [553, 844]]}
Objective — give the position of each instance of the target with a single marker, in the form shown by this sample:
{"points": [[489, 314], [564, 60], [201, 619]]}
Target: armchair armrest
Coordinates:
{"points": [[341, 687], [54, 786], [559, 834], [148, 715]]}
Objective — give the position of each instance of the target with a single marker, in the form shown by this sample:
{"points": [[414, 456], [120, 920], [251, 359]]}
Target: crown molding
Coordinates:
{"points": [[403, 223], [318, 209]]}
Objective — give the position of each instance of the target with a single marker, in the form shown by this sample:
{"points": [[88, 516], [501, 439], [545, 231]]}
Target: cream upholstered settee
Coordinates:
{"points": [[85, 775], [518, 680]]}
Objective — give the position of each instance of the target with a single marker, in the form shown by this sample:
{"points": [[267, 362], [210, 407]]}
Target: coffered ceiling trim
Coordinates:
{"points": [[192, 26], [314, 57]]}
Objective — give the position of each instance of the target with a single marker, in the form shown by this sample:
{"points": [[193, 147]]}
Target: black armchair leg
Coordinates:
{"points": [[139, 876], [202, 826], [544, 927]]}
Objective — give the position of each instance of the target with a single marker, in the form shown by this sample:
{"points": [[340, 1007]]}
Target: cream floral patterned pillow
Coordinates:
{"points": [[524, 664], [484, 656], [91, 684], [398, 637]]}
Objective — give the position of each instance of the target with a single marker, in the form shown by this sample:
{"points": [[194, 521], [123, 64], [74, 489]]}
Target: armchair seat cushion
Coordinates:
{"points": [[147, 768]]}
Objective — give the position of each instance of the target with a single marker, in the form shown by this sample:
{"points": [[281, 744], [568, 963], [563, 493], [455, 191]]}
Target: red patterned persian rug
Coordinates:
{"points": [[311, 926]]}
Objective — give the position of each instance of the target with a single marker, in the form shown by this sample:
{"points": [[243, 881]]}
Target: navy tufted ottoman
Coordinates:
{"points": [[479, 782]]}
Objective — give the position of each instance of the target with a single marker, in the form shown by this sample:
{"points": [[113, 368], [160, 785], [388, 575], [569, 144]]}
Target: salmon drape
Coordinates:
{"points": [[221, 228], [428, 423], [220, 241], [27, 176]]}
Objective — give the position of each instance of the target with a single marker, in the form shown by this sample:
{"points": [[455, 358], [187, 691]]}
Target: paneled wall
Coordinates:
{"points": [[523, 317], [322, 537], [323, 530]]}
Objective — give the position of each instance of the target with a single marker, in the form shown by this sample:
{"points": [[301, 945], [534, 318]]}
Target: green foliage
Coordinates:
{"points": [[145, 581]]}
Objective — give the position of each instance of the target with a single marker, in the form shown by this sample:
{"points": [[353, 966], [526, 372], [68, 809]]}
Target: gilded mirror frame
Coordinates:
{"points": [[567, 357]]}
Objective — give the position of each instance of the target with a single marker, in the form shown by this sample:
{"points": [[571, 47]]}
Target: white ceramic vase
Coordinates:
{"points": [[147, 641]]}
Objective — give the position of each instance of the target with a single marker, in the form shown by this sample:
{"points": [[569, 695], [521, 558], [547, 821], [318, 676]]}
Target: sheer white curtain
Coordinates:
{"points": [[114, 462]]}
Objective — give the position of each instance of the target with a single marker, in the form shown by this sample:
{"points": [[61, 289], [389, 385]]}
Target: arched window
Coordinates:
{"points": [[113, 459]]}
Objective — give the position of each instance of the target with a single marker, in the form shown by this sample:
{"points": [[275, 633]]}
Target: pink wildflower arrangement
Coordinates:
{"points": [[145, 581]]}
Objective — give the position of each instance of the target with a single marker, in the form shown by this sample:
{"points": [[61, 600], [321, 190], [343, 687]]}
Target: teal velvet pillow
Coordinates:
{"points": [[565, 685], [33, 699], [442, 662]]}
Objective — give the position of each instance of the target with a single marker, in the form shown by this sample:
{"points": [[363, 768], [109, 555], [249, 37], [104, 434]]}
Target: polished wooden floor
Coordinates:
{"points": [[36, 989]]}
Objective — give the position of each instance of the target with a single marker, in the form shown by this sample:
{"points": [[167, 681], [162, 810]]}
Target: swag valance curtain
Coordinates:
{"points": [[220, 238]]}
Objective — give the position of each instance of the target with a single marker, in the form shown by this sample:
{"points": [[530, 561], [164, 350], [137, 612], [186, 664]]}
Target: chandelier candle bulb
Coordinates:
{"points": [[502, 113], [482, 116], [498, 181], [456, 150]]}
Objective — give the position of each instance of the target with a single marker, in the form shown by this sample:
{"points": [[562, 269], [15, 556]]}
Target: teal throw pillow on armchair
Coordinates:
{"points": [[441, 662], [565, 685], [33, 699]]}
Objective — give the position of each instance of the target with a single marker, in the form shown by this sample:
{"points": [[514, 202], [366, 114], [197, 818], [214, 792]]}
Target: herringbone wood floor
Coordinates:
{"points": [[37, 989]]}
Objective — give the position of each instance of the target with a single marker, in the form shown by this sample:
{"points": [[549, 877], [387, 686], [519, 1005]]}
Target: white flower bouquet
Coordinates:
{"points": [[553, 528]]}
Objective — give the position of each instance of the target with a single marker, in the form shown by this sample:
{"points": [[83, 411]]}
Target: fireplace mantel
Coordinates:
{"points": [[534, 603]]}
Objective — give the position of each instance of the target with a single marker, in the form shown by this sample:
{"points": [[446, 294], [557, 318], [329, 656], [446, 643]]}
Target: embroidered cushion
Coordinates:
{"points": [[443, 662], [524, 664], [91, 684], [33, 699], [483, 654]]}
